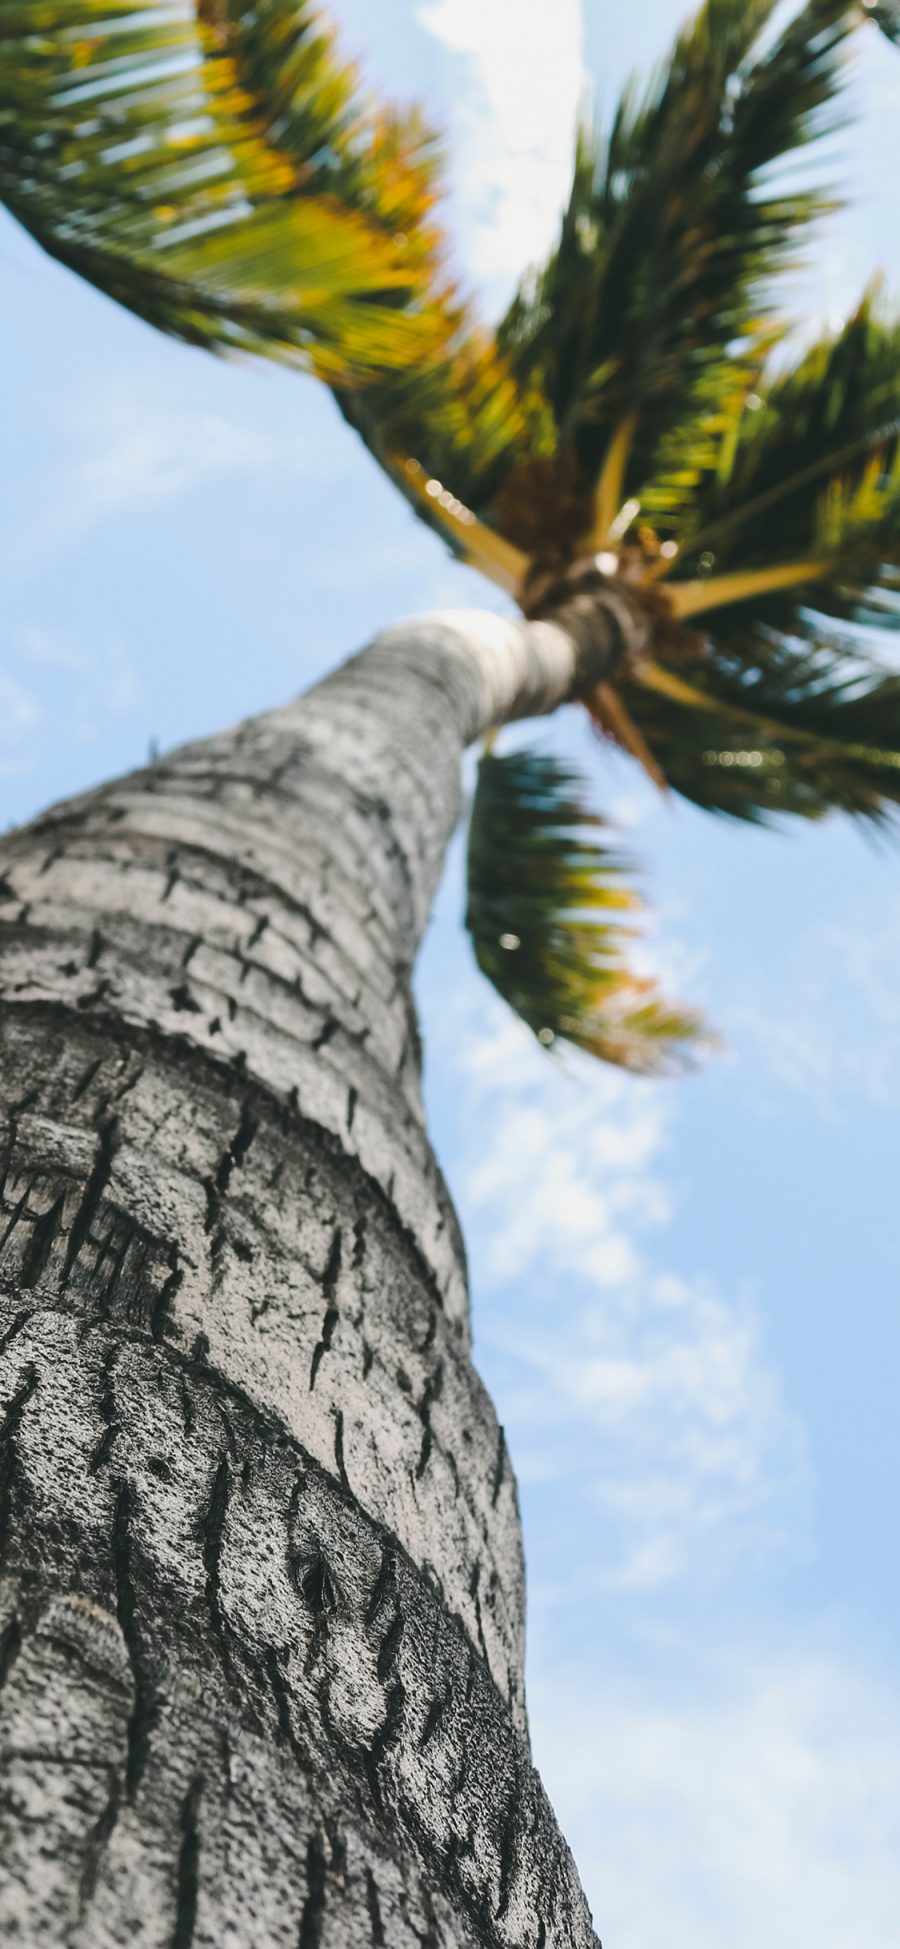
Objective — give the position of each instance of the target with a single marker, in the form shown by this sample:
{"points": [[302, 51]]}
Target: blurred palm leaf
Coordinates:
{"points": [[546, 899], [212, 170], [813, 473], [460, 418], [773, 709], [624, 368], [761, 725], [661, 284], [215, 170]]}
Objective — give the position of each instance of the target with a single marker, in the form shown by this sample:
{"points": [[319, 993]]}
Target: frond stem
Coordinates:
{"points": [[831, 464], [721, 591], [608, 498], [479, 545]]}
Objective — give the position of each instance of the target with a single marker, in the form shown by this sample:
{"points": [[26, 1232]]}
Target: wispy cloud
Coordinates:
{"points": [[53, 684], [758, 1805], [514, 126], [823, 1022], [134, 455], [20, 716], [119, 451], [644, 1394], [19, 707]]}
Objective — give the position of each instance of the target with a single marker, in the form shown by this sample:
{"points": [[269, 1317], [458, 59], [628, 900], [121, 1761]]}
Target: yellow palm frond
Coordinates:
{"points": [[213, 170]]}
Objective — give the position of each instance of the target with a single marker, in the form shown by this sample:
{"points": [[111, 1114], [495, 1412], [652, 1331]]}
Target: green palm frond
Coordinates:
{"points": [[886, 15], [761, 725], [211, 169], [811, 475], [546, 900], [793, 531], [661, 284], [216, 169], [624, 369], [382, 162], [459, 416]]}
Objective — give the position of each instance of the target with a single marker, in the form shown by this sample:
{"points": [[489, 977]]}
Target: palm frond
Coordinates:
{"points": [[659, 311], [660, 289], [546, 900], [813, 475], [886, 15], [459, 416], [761, 725], [212, 169], [215, 168], [655, 309]]}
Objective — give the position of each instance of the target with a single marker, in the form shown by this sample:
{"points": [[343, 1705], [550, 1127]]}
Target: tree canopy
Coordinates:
{"points": [[640, 416]]}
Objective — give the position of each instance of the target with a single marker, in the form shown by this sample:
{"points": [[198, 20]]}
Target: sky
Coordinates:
{"points": [[683, 1294]]}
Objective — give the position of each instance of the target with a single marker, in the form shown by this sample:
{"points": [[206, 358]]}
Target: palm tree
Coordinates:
{"points": [[261, 1617]]}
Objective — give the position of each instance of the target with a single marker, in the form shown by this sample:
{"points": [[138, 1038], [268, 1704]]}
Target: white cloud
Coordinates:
{"points": [[103, 670], [19, 708], [714, 1789], [758, 1808], [646, 1396], [136, 454], [92, 683], [118, 451], [823, 1023], [514, 125]]}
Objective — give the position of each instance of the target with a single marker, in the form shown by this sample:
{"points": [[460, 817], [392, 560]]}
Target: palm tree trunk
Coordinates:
{"points": [[261, 1609]]}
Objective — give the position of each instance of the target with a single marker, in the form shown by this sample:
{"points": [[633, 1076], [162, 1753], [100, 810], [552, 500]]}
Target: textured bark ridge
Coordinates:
{"points": [[261, 1595]]}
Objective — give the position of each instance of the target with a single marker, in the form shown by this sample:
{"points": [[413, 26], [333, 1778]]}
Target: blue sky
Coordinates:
{"points": [[684, 1296]]}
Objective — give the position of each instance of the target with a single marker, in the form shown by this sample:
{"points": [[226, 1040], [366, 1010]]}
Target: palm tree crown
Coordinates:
{"points": [[636, 436]]}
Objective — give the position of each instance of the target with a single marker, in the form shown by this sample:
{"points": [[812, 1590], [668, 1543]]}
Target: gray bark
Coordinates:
{"points": [[261, 1592]]}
